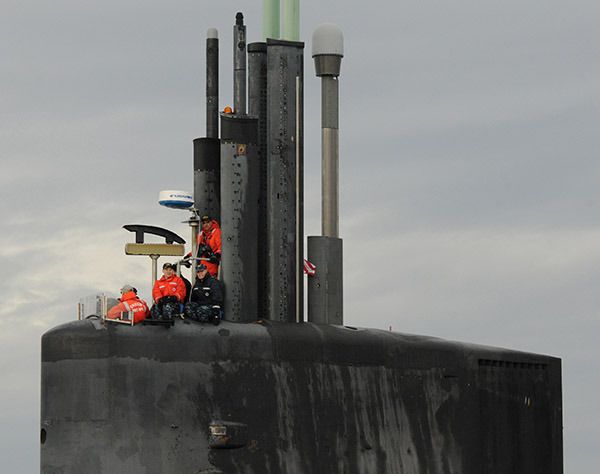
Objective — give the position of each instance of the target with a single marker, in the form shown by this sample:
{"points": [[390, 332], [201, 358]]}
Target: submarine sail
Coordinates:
{"points": [[264, 391]]}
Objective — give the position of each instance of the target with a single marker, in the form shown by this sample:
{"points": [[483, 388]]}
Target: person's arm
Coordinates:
{"points": [[146, 311], [198, 245], [115, 311], [217, 248], [194, 294]]}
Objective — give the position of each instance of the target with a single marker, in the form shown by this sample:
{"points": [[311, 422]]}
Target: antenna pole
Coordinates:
{"points": [[325, 289], [271, 14], [212, 83], [239, 65]]}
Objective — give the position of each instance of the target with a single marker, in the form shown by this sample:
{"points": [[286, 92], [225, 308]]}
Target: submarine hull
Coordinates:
{"points": [[292, 398]]}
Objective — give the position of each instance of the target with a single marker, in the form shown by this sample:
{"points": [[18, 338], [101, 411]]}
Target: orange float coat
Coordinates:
{"points": [[130, 302], [212, 239], [173, 286]]}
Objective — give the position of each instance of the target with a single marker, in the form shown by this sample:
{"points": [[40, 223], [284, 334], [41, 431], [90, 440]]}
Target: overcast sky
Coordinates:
{"points": [[469, 158]]}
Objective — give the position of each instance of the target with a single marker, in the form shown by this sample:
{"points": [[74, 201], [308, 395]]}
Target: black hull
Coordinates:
{"points": [[305, 399]]}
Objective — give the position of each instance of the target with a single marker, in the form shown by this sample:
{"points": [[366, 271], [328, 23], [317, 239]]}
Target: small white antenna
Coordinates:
{"points": [[174, 199]]}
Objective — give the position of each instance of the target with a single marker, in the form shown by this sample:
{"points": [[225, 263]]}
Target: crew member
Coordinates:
{"points": [[129, 301], [169, 285], [207, 289], [209, 245]]}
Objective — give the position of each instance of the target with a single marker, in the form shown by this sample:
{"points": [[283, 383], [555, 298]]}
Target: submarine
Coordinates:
{"points": [[266, 391]]}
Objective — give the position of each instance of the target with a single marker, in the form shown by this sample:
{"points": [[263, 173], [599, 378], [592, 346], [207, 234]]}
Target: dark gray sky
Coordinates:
{"points": [[469, 157]]}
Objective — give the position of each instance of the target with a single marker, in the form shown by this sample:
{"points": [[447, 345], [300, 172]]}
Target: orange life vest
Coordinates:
{"points": [[212, 239], [173, 286], [130, 302]]}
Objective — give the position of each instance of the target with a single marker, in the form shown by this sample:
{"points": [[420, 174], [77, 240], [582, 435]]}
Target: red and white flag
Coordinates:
{"points": [[309, 268]]}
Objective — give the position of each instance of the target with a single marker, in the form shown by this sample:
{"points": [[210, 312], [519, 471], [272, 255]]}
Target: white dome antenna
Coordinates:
{"points": [[174, 199], [327, 49]]}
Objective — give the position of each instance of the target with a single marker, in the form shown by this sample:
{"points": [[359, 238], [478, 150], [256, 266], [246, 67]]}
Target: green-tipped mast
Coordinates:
{"points": [[291, 20], [272, 21], [271, 16]]}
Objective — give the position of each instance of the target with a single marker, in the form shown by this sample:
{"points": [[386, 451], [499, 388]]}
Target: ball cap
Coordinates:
{"points": [[127, 288], [200, 267], [205, 218], [169, 265]]}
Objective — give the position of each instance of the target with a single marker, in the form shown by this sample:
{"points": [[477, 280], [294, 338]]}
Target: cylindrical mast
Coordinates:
{"points": [[299, 154], [257, 107], [207, 172], [207, 177], [239, 216], [328, 50], [330, 156], [207, 181], [239, 65], [285, 76], [271, 19], [291, 20], [325, 289], [212, 83]]}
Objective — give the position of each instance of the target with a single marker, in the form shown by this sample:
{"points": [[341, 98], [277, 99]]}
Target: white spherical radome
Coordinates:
{"points": [[328, 39]]}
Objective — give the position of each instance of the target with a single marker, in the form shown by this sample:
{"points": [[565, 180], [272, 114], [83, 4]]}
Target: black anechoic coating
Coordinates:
{"points": [[285, 235], [240, 169], [239, 66], [257, 107], [239, 269], [314, 398], [325, 287], [212, 87], [239, 129], [207, 177]]}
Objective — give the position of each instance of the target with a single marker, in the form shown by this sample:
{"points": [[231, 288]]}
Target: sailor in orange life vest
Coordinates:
{"points": [[209, 245], [169, 285], [129, 301]]}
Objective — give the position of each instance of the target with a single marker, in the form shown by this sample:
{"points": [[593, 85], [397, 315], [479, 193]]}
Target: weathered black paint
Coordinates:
{"points": [[212, 87], [257, 107], [240, 170], [207, 177], [304, 398], [239, 128], [285, 185], [325, 287]]}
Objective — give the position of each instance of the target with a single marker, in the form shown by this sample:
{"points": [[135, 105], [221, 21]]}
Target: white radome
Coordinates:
{"points": [[327, 39], [175, 199]]}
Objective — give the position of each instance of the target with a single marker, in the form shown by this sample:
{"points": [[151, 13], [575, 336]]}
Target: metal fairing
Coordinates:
{"points": [[302, 398]]}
